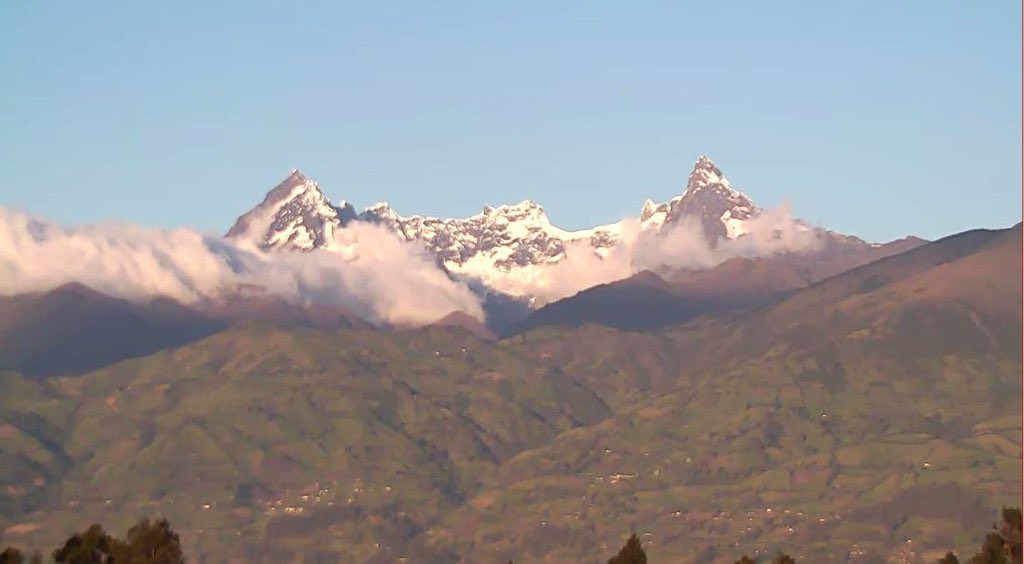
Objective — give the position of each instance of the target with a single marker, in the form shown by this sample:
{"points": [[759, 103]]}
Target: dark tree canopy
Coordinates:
{"points": [[1011, 532], [949, 558], [745, 560], [783, 558], [148, 542], [631, 553], [1003, 545], [92, 546], [11, 555], [152, 543]]}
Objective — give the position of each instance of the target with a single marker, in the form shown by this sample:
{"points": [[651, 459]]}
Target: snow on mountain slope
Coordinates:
{"points": [[709, 195], [295, 214], [499, 242], [511, 247]]}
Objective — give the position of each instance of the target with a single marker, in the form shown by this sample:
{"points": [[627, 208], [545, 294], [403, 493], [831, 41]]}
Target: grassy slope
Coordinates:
{"points": [[384, 432], [899, 377], [846, 409]]}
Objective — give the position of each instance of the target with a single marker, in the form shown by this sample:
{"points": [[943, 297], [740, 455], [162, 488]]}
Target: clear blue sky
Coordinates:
{"points": [[873, 118]]}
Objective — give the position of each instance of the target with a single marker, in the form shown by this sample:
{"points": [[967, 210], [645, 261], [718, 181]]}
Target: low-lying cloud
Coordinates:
{"points": [[377, 275], [682, 245], [384, 280]]}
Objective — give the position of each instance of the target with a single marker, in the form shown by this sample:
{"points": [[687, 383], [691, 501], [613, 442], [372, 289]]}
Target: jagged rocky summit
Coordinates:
{"points": [[504, 246]]}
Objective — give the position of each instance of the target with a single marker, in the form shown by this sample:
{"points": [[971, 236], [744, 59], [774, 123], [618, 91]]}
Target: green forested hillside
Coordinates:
{"points": [[873, 415]]}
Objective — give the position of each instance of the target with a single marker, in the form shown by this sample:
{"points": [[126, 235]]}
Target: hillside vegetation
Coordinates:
{"points": [[875, 414]]}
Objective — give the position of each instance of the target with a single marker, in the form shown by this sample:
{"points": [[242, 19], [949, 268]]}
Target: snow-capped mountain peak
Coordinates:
{"points": [[294, 214], [506, 247], [497, 238], [710, 197], [295, 184], [704, 174]]}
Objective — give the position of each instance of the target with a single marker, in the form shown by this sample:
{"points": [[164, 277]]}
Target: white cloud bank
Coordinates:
{"points": [[385, 280], [678, 246], [375, 275]]}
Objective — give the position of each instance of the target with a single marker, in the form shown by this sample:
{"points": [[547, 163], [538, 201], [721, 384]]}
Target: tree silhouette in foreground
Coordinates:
{"points": [[1001, 546], [93, 545], [148, 542], [12, 555], [152, 543], [1010, 532], [631, 553]]}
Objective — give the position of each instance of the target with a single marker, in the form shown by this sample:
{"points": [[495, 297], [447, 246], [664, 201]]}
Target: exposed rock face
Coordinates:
{"points": [[295, 214], [710, 197], [506, 247], [502, 238]]}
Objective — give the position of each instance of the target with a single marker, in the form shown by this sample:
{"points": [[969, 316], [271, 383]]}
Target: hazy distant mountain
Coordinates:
{"points": [[961, 292], [73, 329], [642, 301], [648, 300]]}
